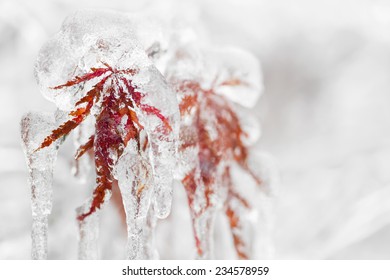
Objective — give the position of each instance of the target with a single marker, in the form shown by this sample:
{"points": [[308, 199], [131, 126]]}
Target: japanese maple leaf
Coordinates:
{"points": [[116, 123], [216, 134]]}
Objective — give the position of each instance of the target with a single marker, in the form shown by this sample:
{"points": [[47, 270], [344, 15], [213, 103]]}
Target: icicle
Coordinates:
{"points": [[133, 173], [162, 139], [34, 128], [88, 234], [163, 165]]}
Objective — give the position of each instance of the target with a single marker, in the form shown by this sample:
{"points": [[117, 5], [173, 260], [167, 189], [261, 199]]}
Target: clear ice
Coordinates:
{"points": [[116, 97], [148, 105]]}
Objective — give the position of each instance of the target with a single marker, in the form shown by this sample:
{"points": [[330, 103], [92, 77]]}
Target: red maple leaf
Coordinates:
{"points": [[119, 100], [224, 147]]}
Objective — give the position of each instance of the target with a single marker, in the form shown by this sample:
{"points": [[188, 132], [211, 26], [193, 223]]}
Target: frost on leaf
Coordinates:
{"points": [[212, 138]]}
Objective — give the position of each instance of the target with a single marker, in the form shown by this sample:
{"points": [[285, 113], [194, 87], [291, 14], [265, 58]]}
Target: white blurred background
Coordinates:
{"points": [[325, 119]]}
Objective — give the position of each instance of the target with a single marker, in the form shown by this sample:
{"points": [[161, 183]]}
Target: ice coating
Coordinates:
{"points": [[229, 71], [114, 71], [85, 39], [102, 69], [214, 140], [238, 75], [124, 113], [161, 34], [89, 37], [34, 127]]}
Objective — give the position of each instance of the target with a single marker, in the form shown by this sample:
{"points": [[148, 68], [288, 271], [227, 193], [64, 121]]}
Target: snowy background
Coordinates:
{"points": [[324, 114]]}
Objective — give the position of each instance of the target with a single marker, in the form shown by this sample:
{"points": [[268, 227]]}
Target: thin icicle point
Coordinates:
{"points": [[34, 127], [88, 234]]}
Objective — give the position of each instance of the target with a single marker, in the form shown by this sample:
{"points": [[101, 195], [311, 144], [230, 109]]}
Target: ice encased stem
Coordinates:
{"points": [[34, 128]]}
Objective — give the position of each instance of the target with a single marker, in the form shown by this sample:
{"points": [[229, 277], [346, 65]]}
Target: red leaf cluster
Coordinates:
{"points": [[218, 138], [119, 99]]}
